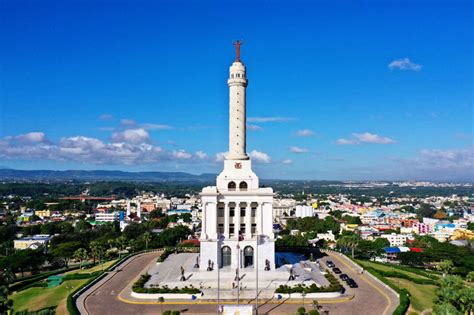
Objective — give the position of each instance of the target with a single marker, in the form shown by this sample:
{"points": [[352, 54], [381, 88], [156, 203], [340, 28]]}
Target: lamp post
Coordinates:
{"points": [[256, 275], [219, 255], [303, 294]]}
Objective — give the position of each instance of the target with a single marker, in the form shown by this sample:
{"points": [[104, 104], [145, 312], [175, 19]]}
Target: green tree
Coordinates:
{"points": [[97, 251], [147, 238], [6, 304], [349, 242], [81, 255], [446, 266], [425, 211], [470, 276], [66, 250]]}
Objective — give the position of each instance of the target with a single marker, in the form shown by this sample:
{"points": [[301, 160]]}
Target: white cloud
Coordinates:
{"points": [[447, 164], [182, 154], [305, 133], [259, 157], [127, 122], [343, 141], [366, 137], [287, 161], [269, 119], [106, 117], [201, 154], [221, 156], [372, 138], [404, 64], [30, 137], [139, 135], [155, 126], [254, 127], [298, 150]]}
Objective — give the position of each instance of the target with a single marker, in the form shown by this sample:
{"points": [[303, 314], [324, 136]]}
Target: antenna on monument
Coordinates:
{"points": [[237, 45]]}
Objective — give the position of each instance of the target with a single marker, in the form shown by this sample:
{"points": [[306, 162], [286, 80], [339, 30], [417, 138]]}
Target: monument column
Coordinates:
{"points": [[248, 221], [204, 217], [259, 218], [226, 220], [237, 220]]}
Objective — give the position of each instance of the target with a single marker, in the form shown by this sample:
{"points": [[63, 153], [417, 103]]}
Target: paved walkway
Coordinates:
{"points": [[110, 296]]}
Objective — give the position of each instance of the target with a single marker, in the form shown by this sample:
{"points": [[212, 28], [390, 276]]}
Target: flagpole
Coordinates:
{"points": [[256, 278]]}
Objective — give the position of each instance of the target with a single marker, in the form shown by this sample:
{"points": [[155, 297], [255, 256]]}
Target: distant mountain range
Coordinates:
{"points": [[100, 175]]}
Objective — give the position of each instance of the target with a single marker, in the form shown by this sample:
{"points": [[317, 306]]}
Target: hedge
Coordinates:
{"points": [[139, 287], [18, 286], [44, 311], [403, 293], [334, 286], [71, 300], [77, 276]]}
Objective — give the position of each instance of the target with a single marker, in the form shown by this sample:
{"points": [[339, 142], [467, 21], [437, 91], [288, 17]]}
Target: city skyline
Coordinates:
{"points": [[353, 91]]}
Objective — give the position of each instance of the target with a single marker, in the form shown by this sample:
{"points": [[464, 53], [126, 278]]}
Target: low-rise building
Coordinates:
{"points": [[32, 242]]}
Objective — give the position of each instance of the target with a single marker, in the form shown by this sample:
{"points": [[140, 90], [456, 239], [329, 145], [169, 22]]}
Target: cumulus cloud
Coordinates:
{"points": [[446, 164], [254, 127], [259, 157], [343, 141], [269, 119], [372, 138], [201, 154], [366, 137], [298, 150], [138, 135], [83, 150], [221, 156], [30, 137], [287, 161], [182, 154], [305, 133], [404, 64]]}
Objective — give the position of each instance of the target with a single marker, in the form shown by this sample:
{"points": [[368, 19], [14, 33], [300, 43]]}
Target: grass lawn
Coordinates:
{"points": [[34, 299], [422, 296], [388, 267]]}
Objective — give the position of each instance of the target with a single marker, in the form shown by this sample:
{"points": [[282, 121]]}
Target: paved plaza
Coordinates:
{"points": [[168, 273]]}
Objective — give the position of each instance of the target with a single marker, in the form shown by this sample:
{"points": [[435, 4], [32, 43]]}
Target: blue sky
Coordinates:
{"points": [[337, 90]]}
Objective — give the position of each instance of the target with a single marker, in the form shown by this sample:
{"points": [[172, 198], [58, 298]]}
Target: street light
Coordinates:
{"points": [[303, 294]]}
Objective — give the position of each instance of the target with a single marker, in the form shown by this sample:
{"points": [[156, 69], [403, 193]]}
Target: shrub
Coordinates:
{"points": [[139, 287], [334, 286], [175, 312], [313, 312], [167, 313]]}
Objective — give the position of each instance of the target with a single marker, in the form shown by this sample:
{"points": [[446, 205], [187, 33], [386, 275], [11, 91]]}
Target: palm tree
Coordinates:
{"points": [[146, 239], [349, 241], [97, 250], [81, 255]]}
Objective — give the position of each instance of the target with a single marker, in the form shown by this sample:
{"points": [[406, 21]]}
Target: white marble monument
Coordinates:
{"points": [[237, 212]]}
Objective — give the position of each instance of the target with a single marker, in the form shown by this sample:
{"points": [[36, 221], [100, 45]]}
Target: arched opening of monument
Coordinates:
{"points": [[226, 256], [248, 256], [231, 186], [243, 186]]}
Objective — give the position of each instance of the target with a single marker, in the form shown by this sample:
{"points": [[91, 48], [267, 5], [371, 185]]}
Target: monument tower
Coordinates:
{"points": [[237, 215]]}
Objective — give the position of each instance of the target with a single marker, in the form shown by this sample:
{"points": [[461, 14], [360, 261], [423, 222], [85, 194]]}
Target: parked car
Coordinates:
{"points": [[351, 283], [330, 264], [336, 270], [344, 277]]}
